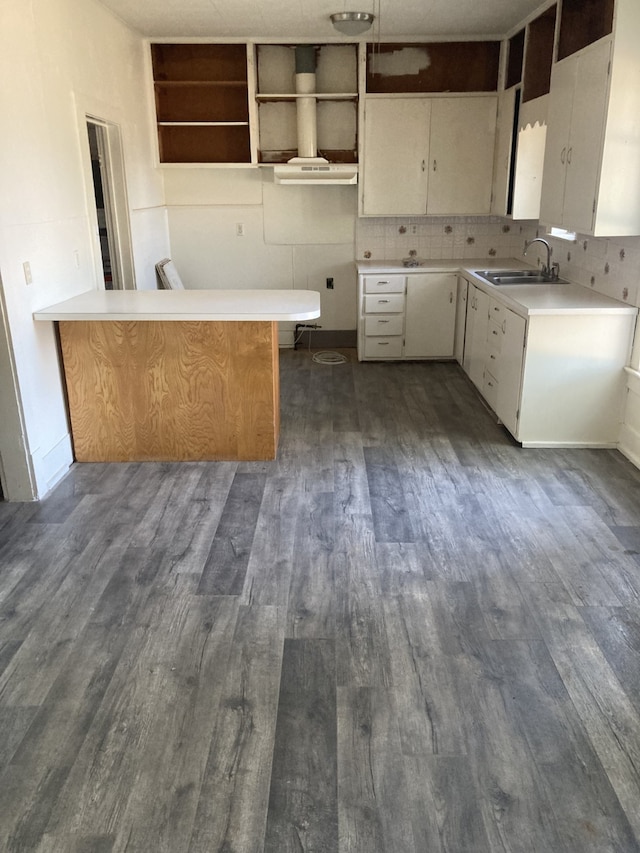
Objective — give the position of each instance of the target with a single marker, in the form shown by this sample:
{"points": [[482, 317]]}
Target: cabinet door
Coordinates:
{"points": [[555, 157], [461, 155], [584, 153], [430, 315], [510, 370], [461, 318], [475, 341], [502, 159], [396, 150]]}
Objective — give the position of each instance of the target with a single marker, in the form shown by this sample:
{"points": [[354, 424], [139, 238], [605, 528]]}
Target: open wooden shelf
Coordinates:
{"points": [[202, 106]]}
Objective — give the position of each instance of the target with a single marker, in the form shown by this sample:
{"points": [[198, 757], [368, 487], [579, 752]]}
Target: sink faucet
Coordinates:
{"points": [[549, 270]]}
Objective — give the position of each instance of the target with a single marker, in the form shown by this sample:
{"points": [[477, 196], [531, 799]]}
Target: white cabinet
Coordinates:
{"points": [[475, 344], [551, 379], [579, 87], [428, 155], [461, 155], [505, 353], [396, 148], [461, 318], [408, 316], [430, 315]]}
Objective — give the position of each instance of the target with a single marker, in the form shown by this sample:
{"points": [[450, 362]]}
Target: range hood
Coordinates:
{"points": [[307, 167], [315, 170]]}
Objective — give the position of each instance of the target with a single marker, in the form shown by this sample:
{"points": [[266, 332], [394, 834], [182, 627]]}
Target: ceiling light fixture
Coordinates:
{"points": [[352, 23]]}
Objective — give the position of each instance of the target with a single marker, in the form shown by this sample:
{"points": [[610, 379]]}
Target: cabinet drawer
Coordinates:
{"points": [[494, 336], [383, 347], [391, 304], [384, 283], [383, 325], [497, 312], [490, 389]]}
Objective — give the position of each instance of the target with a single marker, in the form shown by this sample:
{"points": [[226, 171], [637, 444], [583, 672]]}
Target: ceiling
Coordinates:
{"points": [[309, 19]]}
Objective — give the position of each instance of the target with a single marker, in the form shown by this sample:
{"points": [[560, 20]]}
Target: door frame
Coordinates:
{"points": [[16, 471], [116, 202]]}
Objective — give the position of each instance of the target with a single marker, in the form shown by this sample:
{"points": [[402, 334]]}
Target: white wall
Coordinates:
{"points": [[58, 60], [294, 236]]}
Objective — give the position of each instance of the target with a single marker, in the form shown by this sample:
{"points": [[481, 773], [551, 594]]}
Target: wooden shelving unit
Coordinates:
{"points": [[202, 103], [336, 96]]}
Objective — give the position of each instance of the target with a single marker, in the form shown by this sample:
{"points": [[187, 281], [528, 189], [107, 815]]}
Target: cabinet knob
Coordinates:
{"points": [[382, 301], [569, 153], [383, 343], [435, 166], [382, 321], [563, 155], [381, 282], [424, 166], [504, 327]]}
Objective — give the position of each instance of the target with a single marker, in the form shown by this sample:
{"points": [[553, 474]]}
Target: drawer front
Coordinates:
{"points": [[383, 347], [384, 283], [391, 304], [383, 325], [490, 390], [497, 312], [494, 336]]}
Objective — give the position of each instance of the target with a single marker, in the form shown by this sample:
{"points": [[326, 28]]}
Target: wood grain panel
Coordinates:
{"points": [[157, 390]]}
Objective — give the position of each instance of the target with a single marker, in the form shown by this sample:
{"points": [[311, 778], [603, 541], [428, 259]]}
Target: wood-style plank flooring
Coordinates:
{"points": [[406, 635]]}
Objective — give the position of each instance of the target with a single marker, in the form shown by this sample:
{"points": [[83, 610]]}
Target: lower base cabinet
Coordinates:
{"points": [[551, 379], [409, 316]]}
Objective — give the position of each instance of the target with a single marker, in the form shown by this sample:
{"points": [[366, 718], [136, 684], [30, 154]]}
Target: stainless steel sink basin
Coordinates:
{"points": [[503, 277]]}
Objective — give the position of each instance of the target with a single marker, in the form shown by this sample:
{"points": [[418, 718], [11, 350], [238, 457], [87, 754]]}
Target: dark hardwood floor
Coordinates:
{"points": [[405, 635]]}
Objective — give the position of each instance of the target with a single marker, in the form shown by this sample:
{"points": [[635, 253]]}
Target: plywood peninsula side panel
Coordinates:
{"points": [[171, 390]]}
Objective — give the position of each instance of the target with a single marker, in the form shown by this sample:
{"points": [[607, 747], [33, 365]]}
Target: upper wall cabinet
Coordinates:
{"points": [[522, 113], [335, 114], [592, 160], [429, 155], [584, 22], [202, 102], [431, 68]]}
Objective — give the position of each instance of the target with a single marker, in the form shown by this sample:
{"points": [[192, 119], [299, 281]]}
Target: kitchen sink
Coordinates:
{"points": [[504, 277]]}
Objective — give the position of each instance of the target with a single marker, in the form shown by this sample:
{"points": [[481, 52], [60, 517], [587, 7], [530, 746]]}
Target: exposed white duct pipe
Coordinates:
{"points": [[306, 107]]}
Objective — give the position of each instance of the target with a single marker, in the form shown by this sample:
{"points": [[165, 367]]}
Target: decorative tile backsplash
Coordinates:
{"points": [[608, 265]]}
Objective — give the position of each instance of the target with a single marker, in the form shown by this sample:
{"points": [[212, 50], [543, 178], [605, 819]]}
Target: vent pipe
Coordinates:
{"points": [[306, 107]]}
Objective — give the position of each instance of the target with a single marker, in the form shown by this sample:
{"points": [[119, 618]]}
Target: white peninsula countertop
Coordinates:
{"points": [[203, 305]]}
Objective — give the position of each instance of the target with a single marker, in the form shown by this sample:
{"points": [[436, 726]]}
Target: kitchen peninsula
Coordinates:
{"points": [[178, 375]]}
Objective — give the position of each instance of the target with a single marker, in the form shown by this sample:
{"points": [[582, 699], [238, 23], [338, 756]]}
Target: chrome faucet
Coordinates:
{"points": [[552, 271]]}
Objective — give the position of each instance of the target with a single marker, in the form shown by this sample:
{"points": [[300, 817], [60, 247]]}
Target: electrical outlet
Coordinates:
{"points": [[329, 284], [26, 266]]}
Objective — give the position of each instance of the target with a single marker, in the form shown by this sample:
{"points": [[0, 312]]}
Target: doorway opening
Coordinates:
{"points": [[114, 260]]}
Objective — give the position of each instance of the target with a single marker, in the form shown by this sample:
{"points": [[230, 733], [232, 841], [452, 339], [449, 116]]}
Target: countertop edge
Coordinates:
{"points": [[186, 305]]}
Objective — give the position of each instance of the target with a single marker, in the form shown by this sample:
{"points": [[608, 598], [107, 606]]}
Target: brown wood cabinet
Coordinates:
{"points": [[539, 55], [202, 104], [434, 67], [583, 22]]}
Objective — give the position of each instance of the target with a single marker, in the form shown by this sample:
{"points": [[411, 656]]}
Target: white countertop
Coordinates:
{"points": [[251, 305], [525, 299]]}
